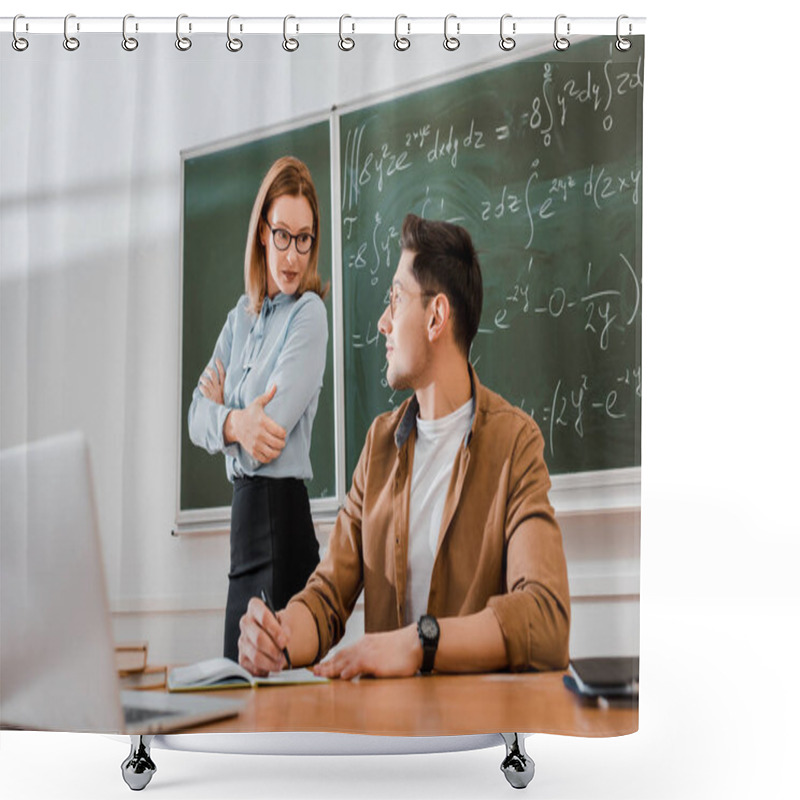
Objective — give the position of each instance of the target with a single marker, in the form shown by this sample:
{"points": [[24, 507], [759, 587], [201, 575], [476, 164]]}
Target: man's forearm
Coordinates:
{"points": [[473, 643], [301, 626]]}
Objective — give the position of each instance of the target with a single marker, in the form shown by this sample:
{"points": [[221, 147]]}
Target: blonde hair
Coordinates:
{"points": [[287, 176]]}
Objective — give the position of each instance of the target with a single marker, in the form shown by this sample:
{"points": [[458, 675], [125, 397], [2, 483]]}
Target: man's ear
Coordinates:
{"points": [[439, 316]]}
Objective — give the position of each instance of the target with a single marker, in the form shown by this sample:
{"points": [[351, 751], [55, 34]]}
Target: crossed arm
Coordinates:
{"points": [[294, 381], [250, 427]]}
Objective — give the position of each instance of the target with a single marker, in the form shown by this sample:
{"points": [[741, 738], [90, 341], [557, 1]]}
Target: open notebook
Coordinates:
{"points": [[57, 652]]}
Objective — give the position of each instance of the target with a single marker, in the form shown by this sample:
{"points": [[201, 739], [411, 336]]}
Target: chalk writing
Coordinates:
{"points": [[375, 165], [598, 310], [444, 143], [541, 163], [569, 408]]}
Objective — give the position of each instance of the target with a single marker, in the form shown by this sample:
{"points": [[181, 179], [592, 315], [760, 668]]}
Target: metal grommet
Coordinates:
{"points": [[289, 44], [451, 42], [622, 43], [401, 42], [128, 42], [561, 42], [70, 42], [183, 43], [18, 43], [234, 45], [345, 42], [507, 42]]}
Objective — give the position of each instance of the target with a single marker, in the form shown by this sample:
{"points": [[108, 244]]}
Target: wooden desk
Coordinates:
{"points": [[437, 705]]}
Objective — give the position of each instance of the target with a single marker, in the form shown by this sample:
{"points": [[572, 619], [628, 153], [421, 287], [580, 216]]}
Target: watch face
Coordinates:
{"points": [[428, 627]]}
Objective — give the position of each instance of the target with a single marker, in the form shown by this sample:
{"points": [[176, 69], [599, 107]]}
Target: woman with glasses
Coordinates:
{"points": [[257, 398]]}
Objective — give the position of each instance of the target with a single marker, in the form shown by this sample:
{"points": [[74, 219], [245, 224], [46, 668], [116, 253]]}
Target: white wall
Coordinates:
{"points": [[91, 198]]}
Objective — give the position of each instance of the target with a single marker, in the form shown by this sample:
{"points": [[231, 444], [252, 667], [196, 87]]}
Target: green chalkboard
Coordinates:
{"points": [[541, 160], [219, 190]]}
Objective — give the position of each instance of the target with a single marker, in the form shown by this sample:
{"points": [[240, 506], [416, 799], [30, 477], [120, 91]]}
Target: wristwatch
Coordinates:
{"points": [[428, 630]]}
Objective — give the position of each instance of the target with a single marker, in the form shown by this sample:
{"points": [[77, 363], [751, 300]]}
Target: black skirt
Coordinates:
{"points": [[274, 548]]}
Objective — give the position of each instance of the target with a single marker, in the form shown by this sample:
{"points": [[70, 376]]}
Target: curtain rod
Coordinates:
{"points": [[347, 25]]}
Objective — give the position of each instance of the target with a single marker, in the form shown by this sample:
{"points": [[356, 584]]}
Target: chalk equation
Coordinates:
{"points": [[434, 141], [545, 200], [381, 251], [549, 107], [599, 309], [569, 407]]}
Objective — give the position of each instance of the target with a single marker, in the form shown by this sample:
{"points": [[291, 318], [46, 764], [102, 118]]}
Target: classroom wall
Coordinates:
{"points": [[91, 294]]}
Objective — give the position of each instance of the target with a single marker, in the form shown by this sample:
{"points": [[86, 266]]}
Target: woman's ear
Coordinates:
{"points": [[262, 231]]}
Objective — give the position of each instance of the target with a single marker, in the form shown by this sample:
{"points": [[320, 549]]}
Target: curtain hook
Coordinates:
{"points": [[451, 42], [346, 42], [234, 45], [561, 42], [70, 42], [128, 42], [18, 43], [507, 42], [182, 42], [623, 44], [289, 45], [401, 42]]}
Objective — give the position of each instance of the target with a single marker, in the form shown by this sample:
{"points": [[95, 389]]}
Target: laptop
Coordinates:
{"points": [[57, 663]]}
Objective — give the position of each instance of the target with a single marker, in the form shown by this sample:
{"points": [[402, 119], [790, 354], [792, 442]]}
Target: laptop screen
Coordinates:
{"points": [[57, 667]]}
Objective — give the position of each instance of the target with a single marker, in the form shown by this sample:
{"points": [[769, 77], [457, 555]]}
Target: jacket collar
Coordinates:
{"points": [[408, 422]]}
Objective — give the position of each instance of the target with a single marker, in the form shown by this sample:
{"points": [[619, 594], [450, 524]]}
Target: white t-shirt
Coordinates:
{"points": [[435, 451]]}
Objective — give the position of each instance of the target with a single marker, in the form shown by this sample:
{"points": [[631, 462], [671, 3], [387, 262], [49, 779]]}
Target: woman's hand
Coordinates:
{"points": [[212, 383], [257, 433]]}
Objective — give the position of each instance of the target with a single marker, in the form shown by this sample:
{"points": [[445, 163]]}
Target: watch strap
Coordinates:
{"points": [[429, 642]]}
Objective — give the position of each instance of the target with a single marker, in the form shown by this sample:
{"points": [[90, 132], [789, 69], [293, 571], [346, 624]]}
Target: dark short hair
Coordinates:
{"points": [[445, 261]]}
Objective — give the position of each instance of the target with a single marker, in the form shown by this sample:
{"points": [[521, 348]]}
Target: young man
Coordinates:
{"points": [[447, 526]]}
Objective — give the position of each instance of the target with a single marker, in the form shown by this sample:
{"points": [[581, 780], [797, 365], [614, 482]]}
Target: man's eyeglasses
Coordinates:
{"points": [[397, 297], [281, 238]]}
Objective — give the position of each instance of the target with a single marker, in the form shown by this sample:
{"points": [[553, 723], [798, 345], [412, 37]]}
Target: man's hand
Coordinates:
{"points": [[262, 639], [256, 432], [394, 654], [212, 383]]}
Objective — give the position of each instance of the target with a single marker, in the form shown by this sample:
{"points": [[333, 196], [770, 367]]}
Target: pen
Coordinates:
{"points": [[268, 604]]}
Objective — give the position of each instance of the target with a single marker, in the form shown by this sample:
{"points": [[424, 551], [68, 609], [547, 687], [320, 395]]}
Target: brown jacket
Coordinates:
{"points": [[499, 543]]}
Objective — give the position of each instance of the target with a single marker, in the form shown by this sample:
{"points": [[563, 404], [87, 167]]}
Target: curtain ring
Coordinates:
{"points": [[183, 43], [561, 42], [70, 42], [507, 42], [128, 42], [234, 45], [451, 42], [623, 44], [345, 42], [18, 43], [401, 42], [289, 45]]}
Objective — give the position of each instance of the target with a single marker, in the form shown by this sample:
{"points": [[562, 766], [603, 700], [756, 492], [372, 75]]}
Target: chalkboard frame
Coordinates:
{"points": [[216, 519]]}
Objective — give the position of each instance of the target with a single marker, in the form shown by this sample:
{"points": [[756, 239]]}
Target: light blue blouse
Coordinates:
{"points": [[284, 345]]}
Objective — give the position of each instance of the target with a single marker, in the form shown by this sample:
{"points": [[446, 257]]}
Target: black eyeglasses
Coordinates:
{"points": [[281, 238]]}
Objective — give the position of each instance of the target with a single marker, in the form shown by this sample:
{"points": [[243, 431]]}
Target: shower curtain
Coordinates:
{"points": [[127, 178]]}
